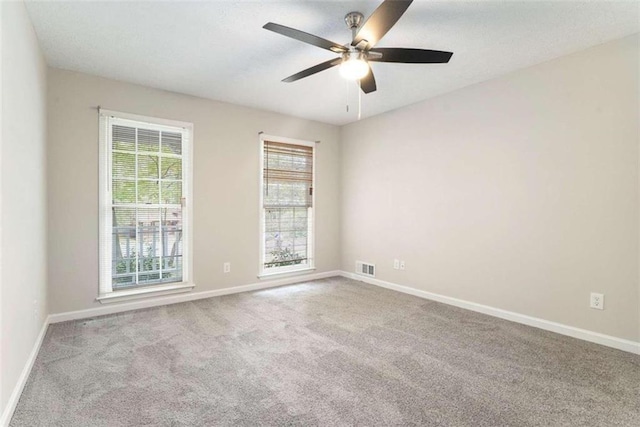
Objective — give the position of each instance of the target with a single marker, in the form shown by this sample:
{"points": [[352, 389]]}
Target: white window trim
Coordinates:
{"points": [[147, 291], [105, 220], [286, 271]]}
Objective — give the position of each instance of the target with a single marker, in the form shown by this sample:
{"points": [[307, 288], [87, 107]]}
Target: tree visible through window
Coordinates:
{"points": [[287, 206], [146, 183]]}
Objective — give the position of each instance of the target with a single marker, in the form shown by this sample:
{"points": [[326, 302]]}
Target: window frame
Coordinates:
{"points": [[295, 269], [105, 291]]}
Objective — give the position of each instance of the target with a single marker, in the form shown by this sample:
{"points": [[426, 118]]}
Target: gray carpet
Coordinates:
{"points": [[328, 352]]}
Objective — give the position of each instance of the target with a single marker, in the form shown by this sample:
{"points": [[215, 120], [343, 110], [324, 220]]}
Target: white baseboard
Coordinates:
{"points": [[151, 302], [583, 334], [24, 375], [184, 297]]}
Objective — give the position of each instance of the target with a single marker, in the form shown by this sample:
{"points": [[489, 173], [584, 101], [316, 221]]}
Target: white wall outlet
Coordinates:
{"points": [[396, 264], [226, 267], [401, 265], [597, 301]]}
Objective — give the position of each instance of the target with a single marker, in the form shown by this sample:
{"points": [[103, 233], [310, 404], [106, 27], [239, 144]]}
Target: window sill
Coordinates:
{"points": [[154, 291], [278, 274]]}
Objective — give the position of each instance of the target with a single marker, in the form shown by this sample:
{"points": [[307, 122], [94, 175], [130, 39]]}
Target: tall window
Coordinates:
{"points": [[287, 205], [145, 179]]}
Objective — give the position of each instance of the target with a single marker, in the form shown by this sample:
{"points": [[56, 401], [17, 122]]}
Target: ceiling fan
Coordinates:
{"points": [[355, 57]]}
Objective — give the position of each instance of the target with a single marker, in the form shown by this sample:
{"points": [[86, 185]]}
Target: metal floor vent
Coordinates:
{"points": [[365, 269]]}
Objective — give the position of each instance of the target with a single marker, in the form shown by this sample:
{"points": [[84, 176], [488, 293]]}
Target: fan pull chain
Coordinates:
{"points": [[359, 99], [348, 95]]}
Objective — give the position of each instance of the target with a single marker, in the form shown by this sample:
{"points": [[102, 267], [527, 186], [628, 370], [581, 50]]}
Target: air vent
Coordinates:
{"points": [[365, 269]]}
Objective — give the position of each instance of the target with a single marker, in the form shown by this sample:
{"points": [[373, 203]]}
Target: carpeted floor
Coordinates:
{"points": [[328, 352]]}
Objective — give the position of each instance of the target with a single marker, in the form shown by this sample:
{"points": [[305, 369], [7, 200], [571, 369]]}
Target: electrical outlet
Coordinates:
{"points": [[597, 301], [401, 265], [227, 267], [396, 264]]}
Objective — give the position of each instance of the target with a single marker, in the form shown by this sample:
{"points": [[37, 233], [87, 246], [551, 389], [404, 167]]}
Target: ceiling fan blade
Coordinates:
{"points": [[381, 21], [411, 56], [313, 70], [305, 37], [368, 82]]}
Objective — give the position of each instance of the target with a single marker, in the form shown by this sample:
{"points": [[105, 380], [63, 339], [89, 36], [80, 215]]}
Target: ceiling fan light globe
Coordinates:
{"points": [[354, 69]]}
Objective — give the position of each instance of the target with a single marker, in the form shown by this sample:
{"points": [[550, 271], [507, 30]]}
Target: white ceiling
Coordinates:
{"points": [[218, 49]]}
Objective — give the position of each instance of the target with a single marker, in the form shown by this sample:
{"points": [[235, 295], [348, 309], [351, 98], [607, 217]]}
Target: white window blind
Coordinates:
{"points": [[287, 202], [145, 177]]}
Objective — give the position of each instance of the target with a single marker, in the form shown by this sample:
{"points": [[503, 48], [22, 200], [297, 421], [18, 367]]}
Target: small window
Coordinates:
{"points": [[144, 202], [287, 205]]}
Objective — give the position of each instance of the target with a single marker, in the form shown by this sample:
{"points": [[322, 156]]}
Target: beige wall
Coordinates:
{"points": [[226, 168], [519, 193], [23, 168]]}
